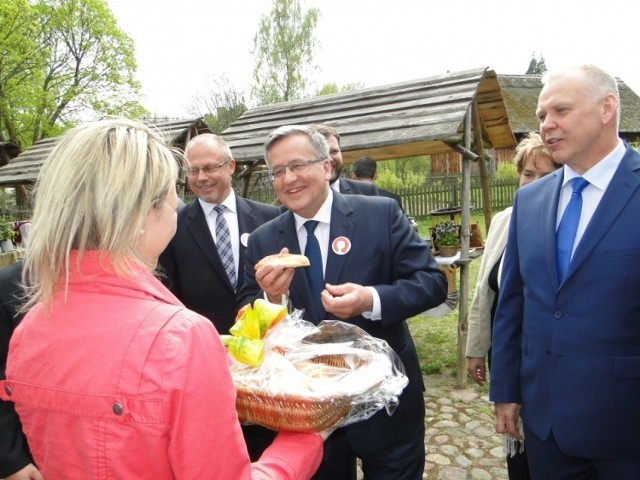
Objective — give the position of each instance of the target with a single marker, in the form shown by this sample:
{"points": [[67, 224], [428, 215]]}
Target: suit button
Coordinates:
{"points": [[117, 409], [548, 352], [558, 314], [7, 390]]}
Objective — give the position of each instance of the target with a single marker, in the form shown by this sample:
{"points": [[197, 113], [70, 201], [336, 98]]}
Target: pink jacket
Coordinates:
{"points": [[121, 381]]}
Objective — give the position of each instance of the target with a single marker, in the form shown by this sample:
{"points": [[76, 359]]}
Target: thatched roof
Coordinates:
{"points": [[24, 168], [520, 93], [417, 117]]}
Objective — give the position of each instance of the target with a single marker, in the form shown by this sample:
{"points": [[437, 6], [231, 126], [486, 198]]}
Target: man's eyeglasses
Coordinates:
{"points": [[294, 166], [207, 170]]}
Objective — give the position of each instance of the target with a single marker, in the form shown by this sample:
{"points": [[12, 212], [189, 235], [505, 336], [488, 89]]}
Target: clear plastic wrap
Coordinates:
{"points": [[313, 377]]}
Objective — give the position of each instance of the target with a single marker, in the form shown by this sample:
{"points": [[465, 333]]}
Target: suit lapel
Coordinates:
{"points": [[300, 287], [624, 184], [246, 224], [199, 229], [550, 195], [342, 225]]}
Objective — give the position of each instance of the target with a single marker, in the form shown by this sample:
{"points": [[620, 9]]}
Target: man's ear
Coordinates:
{"points": [[353, 176], [609, 108]]}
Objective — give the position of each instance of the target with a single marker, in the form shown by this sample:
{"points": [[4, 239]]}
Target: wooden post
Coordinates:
{"points": [[482, 167], [463, 302]]}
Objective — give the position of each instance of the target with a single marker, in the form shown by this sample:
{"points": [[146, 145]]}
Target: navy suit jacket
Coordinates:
{"points": [[357, 187], [386, 254], [191, 267], [570, 352]]}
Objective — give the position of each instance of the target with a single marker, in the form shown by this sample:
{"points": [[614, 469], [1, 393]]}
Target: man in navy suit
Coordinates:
{"points": [[376, 274], [566, 346], [341, 185], [365, 169], [191, 266]]}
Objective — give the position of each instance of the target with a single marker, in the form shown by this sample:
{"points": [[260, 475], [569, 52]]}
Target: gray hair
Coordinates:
{"points": [[318, 142], [599, 82]]}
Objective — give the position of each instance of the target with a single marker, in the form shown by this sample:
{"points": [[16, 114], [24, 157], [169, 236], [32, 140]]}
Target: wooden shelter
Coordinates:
{"points": [[459, 112], [24, 169]]}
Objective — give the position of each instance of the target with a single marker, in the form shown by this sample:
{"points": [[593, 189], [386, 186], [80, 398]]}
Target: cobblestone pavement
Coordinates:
{"points": [[460, 440]]}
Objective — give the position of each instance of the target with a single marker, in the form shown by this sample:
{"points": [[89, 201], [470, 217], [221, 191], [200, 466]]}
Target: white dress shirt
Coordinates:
{"points": [[231, 216], [599, 176]]}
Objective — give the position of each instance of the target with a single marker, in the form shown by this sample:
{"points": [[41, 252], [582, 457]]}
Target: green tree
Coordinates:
{"points": [[536, 66], [284, 48], [76, 62], [331, 88], [220, 106]]}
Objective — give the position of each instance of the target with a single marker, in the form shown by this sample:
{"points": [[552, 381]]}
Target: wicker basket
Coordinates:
{"points": [[288, 412], [291, 412]]}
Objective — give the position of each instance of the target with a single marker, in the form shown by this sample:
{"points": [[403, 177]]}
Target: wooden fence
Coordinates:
{"points": [[417, 201], [420, 201]]}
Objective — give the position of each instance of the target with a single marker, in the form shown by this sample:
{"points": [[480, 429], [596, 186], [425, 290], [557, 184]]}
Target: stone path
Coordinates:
{"points": [[460, 440]]}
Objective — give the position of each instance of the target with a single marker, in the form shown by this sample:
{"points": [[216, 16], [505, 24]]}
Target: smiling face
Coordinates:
{"points": [[212, 187], [575, 122], [305, 191]]}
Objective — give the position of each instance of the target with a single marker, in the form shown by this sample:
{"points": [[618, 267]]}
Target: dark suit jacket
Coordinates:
{"points": [[192, 267], [385, 253], [570, 352], [14, 452], [356, 187], [386, 193]]}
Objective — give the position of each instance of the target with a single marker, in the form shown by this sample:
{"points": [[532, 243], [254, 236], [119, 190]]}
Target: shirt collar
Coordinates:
{"points": [[229, 202], [601, 173], [323, 215]]}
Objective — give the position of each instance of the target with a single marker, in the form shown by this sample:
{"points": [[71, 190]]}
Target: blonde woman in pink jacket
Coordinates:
{"points": [[111, 376]]}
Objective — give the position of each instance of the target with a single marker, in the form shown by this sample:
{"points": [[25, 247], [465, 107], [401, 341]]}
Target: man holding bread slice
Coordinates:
{"points": [[375, 273]]}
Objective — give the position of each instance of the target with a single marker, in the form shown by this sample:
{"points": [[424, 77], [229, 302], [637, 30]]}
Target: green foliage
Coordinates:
{"points": [[507, 171], [220, 106], [284, 48], [331, 88], [68, 59], [536, 67], [403, 172], [6, 229]]}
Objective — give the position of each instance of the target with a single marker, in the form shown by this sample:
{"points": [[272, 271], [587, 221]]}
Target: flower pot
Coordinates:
{"points": [[448, 250], [6, 245]]}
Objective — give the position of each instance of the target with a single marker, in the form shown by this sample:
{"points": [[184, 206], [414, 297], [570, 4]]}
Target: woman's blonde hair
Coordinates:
{"points": [[94, 192], [531, 145]]}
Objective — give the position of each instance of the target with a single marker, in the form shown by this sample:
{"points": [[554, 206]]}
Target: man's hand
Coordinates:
{"points": [[275, 281], [477, 370], [30, 472], [507, 418], [346, 300]]}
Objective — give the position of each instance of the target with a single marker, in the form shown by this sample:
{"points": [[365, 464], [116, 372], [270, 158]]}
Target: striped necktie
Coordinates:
{"points": [[223, 242]]}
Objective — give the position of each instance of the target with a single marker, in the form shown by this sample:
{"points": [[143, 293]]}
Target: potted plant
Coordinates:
{"points": [[7, 234], [446, 238]]}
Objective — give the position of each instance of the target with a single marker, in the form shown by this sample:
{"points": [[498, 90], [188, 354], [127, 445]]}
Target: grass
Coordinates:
{"points": [[436, 338]]}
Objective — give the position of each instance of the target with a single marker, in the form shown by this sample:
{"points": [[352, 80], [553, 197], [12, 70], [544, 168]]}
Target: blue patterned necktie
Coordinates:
{"points": [[223, 242], [566, 234], [314, 272]]}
